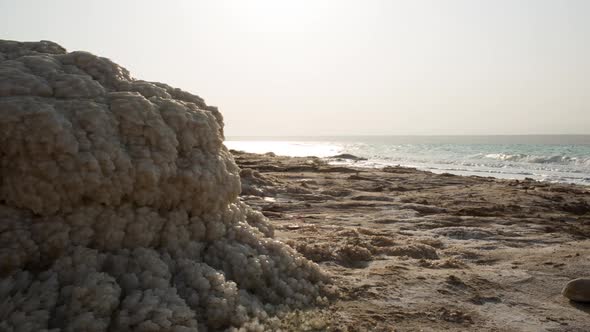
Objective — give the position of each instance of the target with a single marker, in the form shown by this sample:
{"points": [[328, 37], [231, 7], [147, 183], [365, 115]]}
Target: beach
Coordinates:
{"points": [[411, 250]]}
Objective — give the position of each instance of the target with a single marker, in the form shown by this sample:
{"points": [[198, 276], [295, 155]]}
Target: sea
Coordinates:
{"points": [[551, 158]]}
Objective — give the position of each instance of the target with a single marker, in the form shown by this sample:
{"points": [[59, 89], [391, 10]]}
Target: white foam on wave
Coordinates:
{"points": [[561, 159]]}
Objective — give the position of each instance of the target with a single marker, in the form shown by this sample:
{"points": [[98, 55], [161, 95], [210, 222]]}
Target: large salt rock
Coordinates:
{"points": [[119, 207]]}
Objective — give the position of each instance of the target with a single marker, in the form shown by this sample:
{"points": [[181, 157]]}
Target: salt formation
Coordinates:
{"points": [[119, 207]]}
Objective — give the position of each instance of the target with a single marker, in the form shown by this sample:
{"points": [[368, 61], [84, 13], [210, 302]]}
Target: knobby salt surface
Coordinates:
{"points": [[119, 207]]}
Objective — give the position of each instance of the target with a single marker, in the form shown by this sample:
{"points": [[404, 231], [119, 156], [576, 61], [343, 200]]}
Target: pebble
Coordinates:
{"points": [[577, 290]]}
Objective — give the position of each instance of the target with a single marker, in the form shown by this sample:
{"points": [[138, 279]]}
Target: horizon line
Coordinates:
{"points": [[407, 135]]}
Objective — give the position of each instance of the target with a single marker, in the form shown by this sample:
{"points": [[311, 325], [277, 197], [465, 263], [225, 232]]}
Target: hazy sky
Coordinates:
{"points": [[344, 67]]}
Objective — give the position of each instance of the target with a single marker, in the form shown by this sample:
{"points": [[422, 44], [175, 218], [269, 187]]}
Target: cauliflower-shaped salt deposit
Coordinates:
{"points": [[119, 207]]}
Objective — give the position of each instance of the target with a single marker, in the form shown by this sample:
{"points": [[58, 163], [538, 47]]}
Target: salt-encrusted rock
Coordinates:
{"points": [[577, 290], [119, 206]]}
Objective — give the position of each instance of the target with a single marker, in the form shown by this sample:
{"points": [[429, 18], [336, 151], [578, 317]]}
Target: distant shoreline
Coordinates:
{"points": [[563, 159], [354, 164]]}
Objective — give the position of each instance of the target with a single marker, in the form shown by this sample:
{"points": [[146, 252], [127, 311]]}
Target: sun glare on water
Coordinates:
{"points": [[286, 148]]}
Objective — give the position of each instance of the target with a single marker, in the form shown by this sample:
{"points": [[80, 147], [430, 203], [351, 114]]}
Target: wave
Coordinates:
{"points": [[555, 159]]}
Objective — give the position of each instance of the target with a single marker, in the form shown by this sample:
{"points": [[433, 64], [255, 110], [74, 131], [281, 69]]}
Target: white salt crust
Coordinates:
{"points": [[119, 207]]}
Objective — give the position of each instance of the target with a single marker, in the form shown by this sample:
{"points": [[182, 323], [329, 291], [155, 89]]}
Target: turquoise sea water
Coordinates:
{"points": [[546, 158]]}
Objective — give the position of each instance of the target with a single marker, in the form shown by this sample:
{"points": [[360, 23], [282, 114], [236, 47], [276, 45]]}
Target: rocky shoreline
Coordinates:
{"points": [[411, 250]]}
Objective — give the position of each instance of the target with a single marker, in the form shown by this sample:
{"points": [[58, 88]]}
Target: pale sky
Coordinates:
{"points": [[344, 67]]}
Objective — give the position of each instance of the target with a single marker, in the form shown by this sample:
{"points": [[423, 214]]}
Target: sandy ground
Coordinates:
{"points": [[414, 251]]}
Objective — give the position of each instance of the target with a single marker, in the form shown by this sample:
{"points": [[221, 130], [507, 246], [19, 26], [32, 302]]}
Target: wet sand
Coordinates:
{"points": [[415, 251]]}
